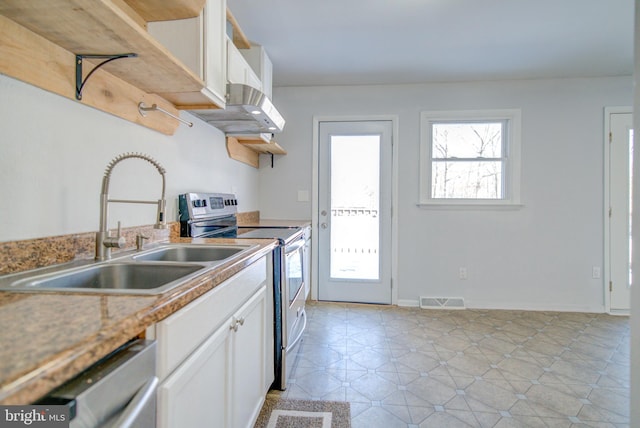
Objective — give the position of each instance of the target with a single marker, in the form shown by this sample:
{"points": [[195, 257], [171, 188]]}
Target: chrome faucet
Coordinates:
{"points": [[104, 241]]}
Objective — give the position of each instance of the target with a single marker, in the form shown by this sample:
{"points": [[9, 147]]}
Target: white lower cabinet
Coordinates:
{"points": [[223, 382], [247, 363], [195, 395]]}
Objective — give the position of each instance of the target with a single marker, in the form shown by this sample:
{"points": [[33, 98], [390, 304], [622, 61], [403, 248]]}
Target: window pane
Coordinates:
{"points": [[467, 180], [355, 202], [466, 140], [470, 157]]}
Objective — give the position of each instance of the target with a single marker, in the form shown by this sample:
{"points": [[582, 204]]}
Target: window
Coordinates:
{"points": [[470, 158]]}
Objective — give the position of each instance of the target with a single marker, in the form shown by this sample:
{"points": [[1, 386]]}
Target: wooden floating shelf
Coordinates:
{"points": [[30, 58], [241, 153], [166, 10], [261, 146], [107, 27], [39, 41], [248, 150]]}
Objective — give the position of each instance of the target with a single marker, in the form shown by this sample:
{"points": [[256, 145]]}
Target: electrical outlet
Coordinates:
{"points": [[462, 273], [595, 272]]}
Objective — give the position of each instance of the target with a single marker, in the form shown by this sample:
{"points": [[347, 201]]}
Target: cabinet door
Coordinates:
{"points": [[215, 44], [196, 394], [266, 76], [238, 69], [249, 346], [236, 64], [201, 44], [184, 39], [260, 63]]}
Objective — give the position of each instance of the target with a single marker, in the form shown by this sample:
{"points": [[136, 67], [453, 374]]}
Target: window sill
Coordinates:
{"points": [[470, 205]]}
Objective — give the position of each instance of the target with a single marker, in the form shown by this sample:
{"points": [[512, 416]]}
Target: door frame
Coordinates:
{"points": [[606, 277], [394, 195]]}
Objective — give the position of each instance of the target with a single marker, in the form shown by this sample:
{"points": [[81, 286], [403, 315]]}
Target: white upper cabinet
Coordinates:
{"points": [[201, 44], [239, 70], [215, 73], [259, 61]]}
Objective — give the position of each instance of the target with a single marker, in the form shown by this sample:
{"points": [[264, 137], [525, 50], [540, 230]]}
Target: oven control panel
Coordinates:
{"points": [[197, 206]]}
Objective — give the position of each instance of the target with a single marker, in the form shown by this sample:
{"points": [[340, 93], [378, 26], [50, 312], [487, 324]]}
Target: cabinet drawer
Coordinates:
{"points": [[180, 334]]}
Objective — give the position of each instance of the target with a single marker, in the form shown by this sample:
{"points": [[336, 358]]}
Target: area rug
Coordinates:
{"points": [[280, 413]]}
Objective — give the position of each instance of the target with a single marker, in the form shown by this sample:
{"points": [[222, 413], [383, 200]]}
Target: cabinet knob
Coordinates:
{"points": [[236, 323]]}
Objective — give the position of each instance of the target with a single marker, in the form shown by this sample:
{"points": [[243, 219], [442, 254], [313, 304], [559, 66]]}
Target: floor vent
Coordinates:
{"points": [[441, 302]]}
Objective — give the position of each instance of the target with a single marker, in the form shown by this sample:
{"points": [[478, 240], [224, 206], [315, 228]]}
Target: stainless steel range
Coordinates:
{"points": [[213, 215]]}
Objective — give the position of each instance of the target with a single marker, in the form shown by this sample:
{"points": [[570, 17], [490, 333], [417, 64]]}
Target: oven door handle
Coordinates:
{"points": [[221, 231], [294, 246], [299, 337], [212, 233]]}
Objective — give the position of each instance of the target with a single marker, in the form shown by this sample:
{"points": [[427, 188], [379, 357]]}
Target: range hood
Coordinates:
{"points": [[248, 111]]}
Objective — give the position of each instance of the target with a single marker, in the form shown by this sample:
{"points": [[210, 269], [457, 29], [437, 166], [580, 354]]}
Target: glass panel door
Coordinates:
{"points": [[355, 211]]}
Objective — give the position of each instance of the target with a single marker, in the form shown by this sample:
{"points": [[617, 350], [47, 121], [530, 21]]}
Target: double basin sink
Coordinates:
{"points": [[153, 271]]}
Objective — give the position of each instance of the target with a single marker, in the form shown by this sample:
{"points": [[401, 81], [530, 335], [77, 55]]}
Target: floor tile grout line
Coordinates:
{"points": [[461, 322]]}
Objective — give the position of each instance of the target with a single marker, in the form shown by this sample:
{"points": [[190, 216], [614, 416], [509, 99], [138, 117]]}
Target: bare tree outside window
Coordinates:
{"points": [[467, 160], [470, 158]]}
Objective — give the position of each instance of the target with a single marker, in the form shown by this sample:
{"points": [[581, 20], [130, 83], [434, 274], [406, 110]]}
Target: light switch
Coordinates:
{"points": [[303, 196]]}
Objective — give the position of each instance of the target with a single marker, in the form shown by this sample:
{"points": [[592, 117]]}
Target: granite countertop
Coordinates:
{"points": [[47, 338]]}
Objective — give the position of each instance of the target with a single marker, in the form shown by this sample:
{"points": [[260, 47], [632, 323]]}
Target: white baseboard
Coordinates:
{"points": [[517, 306], [409, 303]]}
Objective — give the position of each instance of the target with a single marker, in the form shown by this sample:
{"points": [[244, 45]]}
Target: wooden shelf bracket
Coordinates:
{"points": [[80, 82]]}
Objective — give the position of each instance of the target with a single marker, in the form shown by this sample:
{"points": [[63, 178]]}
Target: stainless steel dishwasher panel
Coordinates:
{"points": [[119, 391]]}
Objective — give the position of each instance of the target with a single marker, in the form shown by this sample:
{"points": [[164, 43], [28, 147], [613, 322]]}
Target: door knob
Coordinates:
{"points": [[323, 212], [323, 225]]}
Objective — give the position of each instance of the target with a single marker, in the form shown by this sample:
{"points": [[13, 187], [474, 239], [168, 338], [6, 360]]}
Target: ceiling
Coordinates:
{"points": [[346, 42]]}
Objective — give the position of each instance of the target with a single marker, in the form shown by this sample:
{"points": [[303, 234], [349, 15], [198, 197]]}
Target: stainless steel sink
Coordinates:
{"points": [[192, 253], [114, 277], [153, 271]]}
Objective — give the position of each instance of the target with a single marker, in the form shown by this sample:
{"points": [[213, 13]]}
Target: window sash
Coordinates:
{"points": [[504, 126], [477, 180], [508, 161], [457, 187]]}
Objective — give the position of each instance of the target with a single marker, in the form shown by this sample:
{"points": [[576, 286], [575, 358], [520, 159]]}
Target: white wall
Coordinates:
{"points": [[54, 151], [537, 257]]}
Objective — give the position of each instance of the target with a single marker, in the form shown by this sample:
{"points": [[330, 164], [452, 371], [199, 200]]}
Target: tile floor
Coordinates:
{"points": [[411, 367]]}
